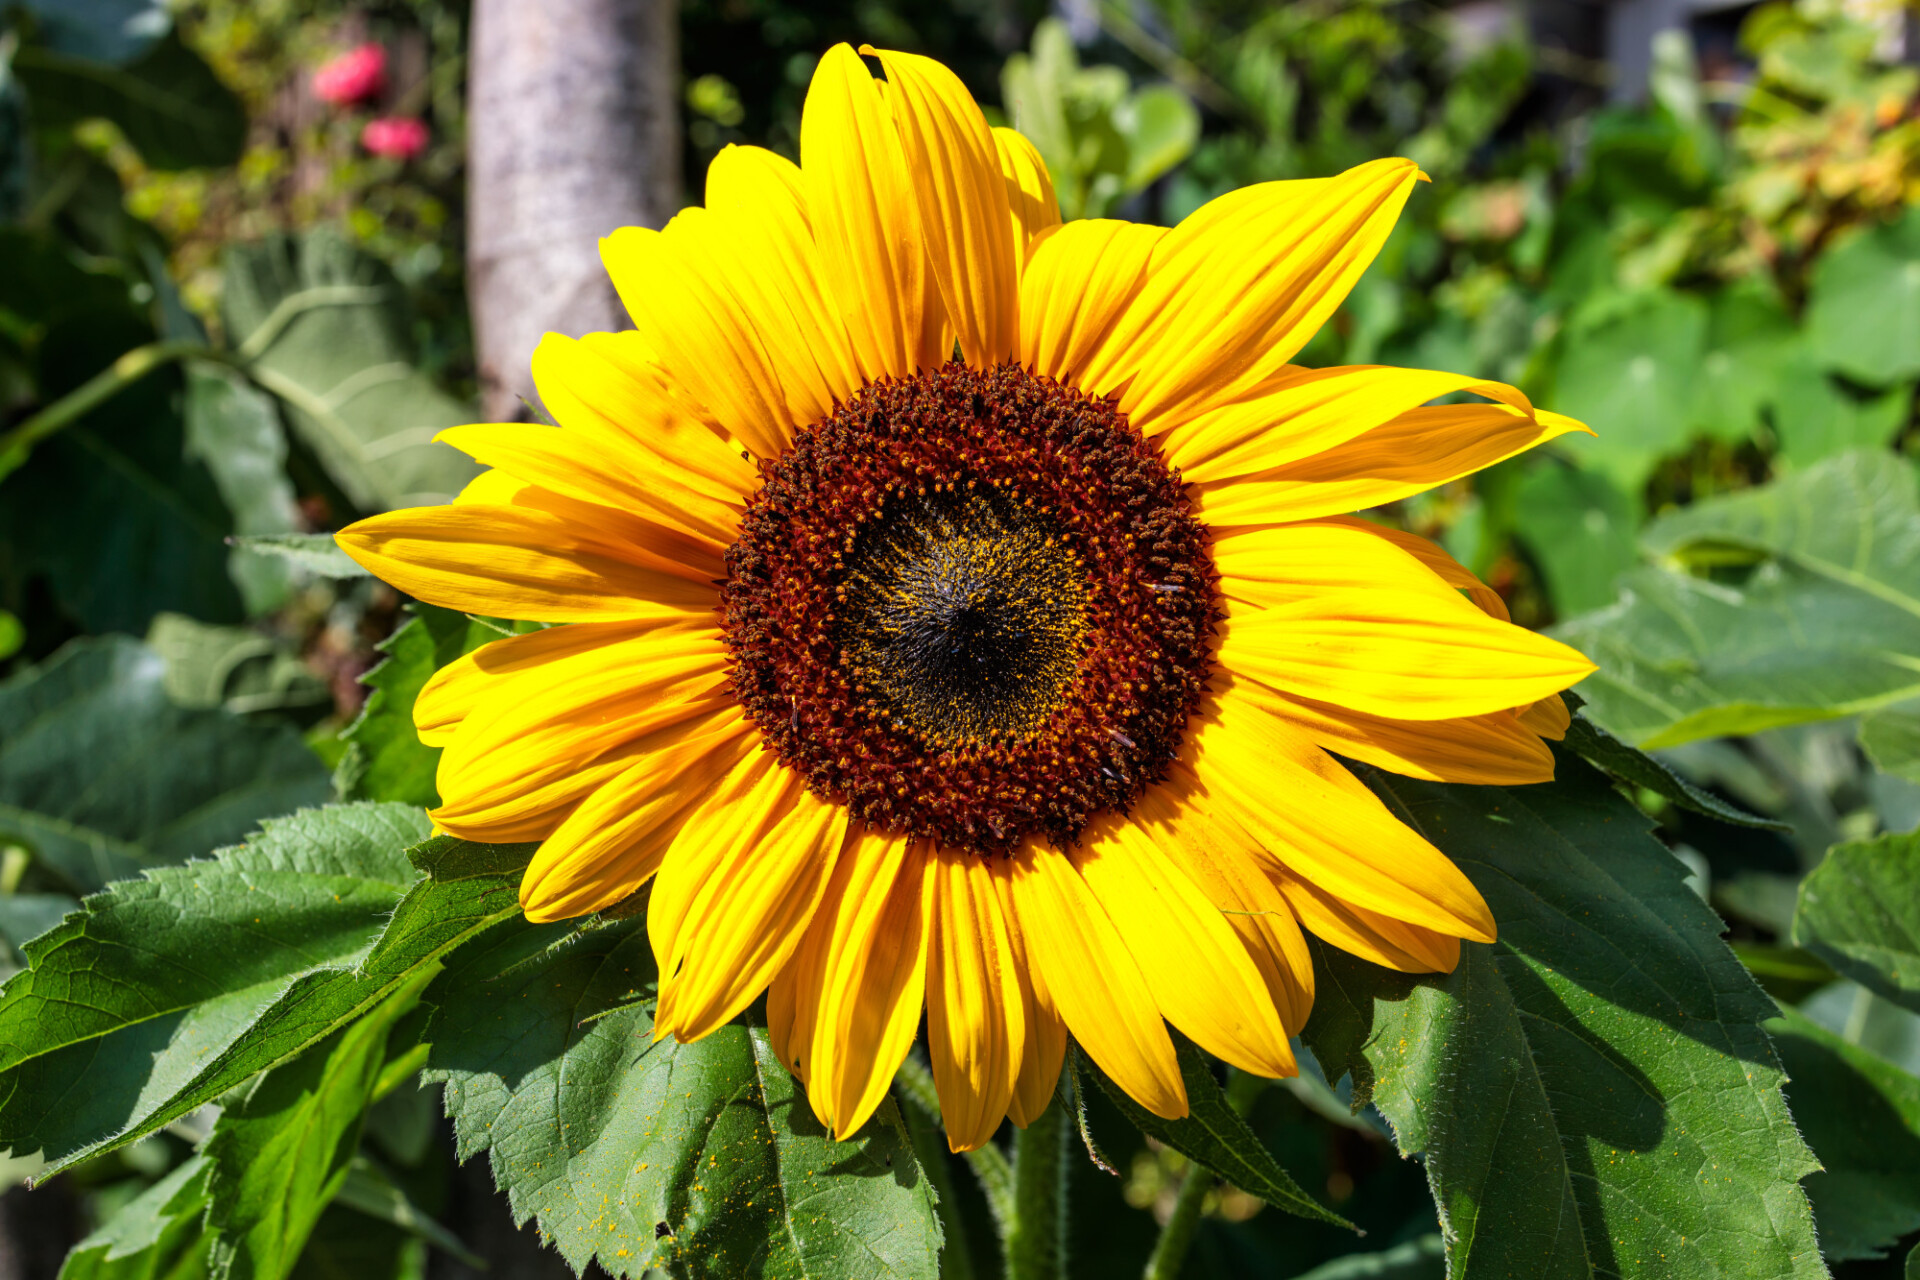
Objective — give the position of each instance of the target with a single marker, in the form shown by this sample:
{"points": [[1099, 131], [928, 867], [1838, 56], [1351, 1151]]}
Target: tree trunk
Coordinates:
{"points": [[572, 131]]}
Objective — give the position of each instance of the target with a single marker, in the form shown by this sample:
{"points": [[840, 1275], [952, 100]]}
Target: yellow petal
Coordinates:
{"points": [[759, 197], [1410, 454], [965, 221], [610, 383], [490, 489], [860, 202], [1222, 861], [1199, 973], [1078, 280], [873, 975], [1295, 413], [1434, 557], [1245, 280], [518, 562], [705, 339], [613, 843], [1548, 717], [1494, 749], [735, 895], [1094, 982], [1030, 197], [453, 692], [1325, 827], [1046, 1034], [1368, 934], [573, 711], [976, 1013]]}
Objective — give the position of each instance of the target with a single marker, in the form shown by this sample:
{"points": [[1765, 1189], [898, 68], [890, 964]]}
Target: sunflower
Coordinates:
{"points": [[961, 613]]}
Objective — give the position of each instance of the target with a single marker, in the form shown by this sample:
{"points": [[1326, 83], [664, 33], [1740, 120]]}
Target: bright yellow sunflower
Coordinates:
{"points": [[961, 615]]}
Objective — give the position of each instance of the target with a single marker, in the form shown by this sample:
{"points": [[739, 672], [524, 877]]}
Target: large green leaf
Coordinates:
{"points": [[125, 1008], [1820, 627], [1578, 526], [1749, 338], [386, 759], [237, 668], [326, 326], [1859, 911], [1630, 376], [283, 1151], [1861, 1116], [234, 430], [1592, 1095], [1818, 418], [1863, 315], [112, 510], [167, 101], [702, 1159], [101, 775], [1214, 1134], [157, 1236]]}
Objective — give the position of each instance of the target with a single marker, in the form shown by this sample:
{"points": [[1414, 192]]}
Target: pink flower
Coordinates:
{"points": [[354, 76], [399, 137]]}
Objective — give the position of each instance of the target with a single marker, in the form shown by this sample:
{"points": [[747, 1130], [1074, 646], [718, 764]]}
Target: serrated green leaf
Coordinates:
{"points": [[701, 1159], [1610, 755], [233, 667], [388, 761], [102, 776], [156, 1236], [1863, 311], [1593, 1094], [1214, 1135], [1861, 1116], [325, 327], [314, 552], [282, 1152], [1859, 910], [167, 101], [108, 1033], [1819, 628]]}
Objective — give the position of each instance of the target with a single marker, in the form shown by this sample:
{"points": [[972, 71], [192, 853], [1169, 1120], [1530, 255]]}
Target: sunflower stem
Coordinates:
{"points": [[1170, 1250], [1037, 1239], [989, 1163], [956, 1257]]}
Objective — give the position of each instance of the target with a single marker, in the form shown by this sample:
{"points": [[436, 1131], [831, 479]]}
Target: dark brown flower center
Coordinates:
{"points": [[972, 606]]}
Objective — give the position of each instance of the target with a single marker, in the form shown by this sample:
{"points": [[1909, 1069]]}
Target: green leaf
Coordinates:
{"points": [[25, 916], [327, 329], [1161, 126], [1593, 1094], [101, 775], [1818, 629], [1630, 376], [1819, 418], [387, 760], [1578, 526], [1611, 756], [702, 1159], [156, 1236], [1420, 1259], [167, 101], [100, 30], [1861, 1116], [282, 1152], [1863, 313], [347, 1245], [315, 552], [1891, 737], [1859, 910], [1749, 339], [1214, 1135], [112, 510], [369, 1191], [234, 430], [109, 1032], [232, 667], [12, 635]]}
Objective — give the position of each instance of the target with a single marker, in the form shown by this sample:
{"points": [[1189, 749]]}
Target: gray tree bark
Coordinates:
{"points": [[572, 131]]}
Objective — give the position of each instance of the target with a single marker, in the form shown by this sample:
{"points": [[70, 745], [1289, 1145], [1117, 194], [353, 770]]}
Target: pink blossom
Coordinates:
{"points": [[399, 137], [354, 76]]}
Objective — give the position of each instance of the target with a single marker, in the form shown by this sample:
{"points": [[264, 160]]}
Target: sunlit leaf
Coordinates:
{"points": [[1863, 312], [1859, 911]]}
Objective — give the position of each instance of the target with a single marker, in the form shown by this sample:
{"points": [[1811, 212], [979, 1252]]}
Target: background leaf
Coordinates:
{"points": [[1863, 314], [1578, 526], [234, 431], [386, 759], [156, 1237], [236, 668], [1859, 910], [701, 1158], [1593, 1094], [1827, 603], [1630, 376], [167, 101], [101, 775], [327, 328]]}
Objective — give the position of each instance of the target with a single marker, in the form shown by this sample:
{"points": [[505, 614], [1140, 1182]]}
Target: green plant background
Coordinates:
{"points": [[257, 1013]]}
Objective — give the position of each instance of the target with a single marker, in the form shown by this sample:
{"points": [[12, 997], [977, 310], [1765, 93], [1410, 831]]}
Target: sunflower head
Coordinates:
{"points": [[962, 614]]}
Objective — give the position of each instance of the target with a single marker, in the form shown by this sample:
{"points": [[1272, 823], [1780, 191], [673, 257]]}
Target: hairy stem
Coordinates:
{"points": [[1170, 1250], [1037, 1241]]}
